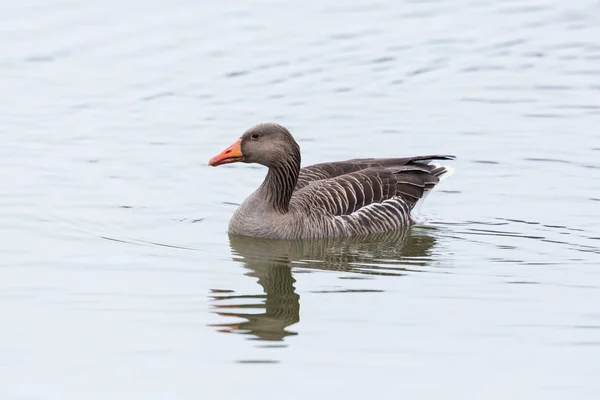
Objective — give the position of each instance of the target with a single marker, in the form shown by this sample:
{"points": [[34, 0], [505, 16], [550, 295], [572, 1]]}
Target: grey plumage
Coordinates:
{"points": [[345, 198]]}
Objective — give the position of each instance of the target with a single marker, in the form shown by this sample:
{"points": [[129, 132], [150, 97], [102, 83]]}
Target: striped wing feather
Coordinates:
{"points": [[333, 169], [343, 188]]}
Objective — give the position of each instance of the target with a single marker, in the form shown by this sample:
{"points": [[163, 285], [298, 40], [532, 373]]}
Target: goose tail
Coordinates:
{"points": [[441, 172]]}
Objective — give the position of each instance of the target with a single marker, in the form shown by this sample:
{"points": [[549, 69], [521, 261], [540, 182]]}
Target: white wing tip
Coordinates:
{"points": [[416, 215], [449, 172]]}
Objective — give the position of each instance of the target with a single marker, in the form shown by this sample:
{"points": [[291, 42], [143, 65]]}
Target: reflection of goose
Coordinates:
{"points": [[394, 253], [335, 199], [280, 304]]}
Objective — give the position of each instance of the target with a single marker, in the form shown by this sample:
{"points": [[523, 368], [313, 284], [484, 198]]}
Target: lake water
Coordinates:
{"points": [[118, 278]]}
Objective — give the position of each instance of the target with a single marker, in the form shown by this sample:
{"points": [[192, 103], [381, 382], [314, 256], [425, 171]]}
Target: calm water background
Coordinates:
{"points": [[118, 278]]}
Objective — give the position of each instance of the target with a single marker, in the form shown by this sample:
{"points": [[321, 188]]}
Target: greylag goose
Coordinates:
{"points": [[334, 199]]}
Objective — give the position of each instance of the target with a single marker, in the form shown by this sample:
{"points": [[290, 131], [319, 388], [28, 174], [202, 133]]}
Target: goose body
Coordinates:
{"points": [[336, 199]]}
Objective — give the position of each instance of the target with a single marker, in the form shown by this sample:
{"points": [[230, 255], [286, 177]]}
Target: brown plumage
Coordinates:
{"points": [[345, 198]]}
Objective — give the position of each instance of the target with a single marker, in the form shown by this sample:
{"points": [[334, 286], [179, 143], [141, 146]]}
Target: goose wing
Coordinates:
{"points": [[329, 170], [348, 192]]}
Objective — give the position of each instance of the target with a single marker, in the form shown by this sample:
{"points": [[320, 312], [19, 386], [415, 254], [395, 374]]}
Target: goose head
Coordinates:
{"points": [[268, 144]]}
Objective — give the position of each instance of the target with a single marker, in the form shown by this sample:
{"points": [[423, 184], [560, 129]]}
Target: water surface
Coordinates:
{"points": [[118, 278]]}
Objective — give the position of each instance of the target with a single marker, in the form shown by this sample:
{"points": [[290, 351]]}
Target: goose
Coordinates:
{"points": [[334, 199]]}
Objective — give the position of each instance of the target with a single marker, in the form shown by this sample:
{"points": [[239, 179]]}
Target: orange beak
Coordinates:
{"points": [[230, 155]]}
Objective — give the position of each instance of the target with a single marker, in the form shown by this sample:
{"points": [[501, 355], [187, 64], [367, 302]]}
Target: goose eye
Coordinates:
{"points": [[255, 136]]}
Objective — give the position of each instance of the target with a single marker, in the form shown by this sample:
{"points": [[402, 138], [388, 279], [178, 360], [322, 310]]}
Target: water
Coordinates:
{"points": [[118, 278]]}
